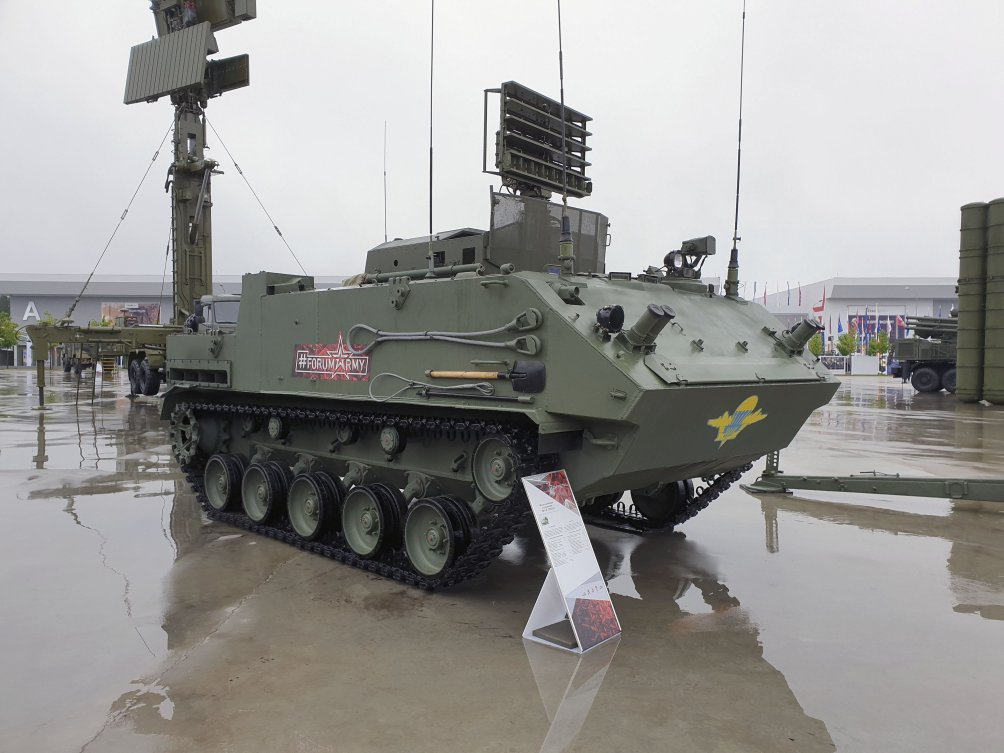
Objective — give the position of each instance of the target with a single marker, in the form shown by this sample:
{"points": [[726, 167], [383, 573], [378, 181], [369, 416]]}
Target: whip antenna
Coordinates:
{"points": [[432, 49], [385, 181], [566, 252], [732, 277], [561, 89]]}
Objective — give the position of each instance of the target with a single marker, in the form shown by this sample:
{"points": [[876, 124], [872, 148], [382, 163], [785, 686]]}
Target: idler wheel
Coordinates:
{"points": [[663, 502], [313, 503], [494, 467], [223, 477], [433, 535], [372, 519], [263, 490]]}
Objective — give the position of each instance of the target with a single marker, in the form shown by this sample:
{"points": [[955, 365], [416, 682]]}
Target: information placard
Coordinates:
{"points": [[574, 589]]}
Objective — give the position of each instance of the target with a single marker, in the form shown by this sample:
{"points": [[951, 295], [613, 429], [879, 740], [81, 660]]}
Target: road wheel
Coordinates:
{"points": [[263, 490], [372, 519], [948, 380], [432, 536], [313, 504], [925, 379], [223, 476]]}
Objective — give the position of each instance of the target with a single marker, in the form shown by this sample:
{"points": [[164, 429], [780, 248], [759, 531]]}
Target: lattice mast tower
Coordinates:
{"points": [[175, 64]]}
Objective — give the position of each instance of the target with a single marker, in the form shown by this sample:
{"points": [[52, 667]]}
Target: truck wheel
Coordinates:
{"points": [[135, 376], [149, 378], [925, 379], [948, 380]]}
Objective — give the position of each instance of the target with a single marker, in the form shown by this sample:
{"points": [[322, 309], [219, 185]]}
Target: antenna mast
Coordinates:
{"points": [[385, 181], [432, 50], [566, 252], [732, 277]]}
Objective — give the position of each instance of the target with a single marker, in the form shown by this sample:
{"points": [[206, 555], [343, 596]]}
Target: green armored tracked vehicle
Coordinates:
{"points": [[387, 424]]}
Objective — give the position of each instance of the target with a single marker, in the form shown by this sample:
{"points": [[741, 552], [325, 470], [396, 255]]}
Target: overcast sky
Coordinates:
{"points": [[866, 125]]}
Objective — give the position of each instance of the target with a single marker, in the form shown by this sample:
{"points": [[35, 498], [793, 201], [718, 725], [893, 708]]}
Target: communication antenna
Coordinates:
{"points": [[566, 252], [732, 276], [385, 181], [432, 49], [561, 89]]}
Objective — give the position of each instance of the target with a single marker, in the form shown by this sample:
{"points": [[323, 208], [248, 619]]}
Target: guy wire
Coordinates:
{"points": [[153, 159], [257, 198], [163, 274]]}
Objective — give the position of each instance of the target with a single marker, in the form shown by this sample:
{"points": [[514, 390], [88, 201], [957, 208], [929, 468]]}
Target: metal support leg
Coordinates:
{"points": [[40, 378]]}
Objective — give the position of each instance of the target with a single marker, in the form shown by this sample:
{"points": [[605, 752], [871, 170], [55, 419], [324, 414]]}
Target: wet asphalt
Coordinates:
{"points": [[129, 622]]}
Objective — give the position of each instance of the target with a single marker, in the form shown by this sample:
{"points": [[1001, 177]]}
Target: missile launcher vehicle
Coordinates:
{"points": [[928, 358], [387, 424]]}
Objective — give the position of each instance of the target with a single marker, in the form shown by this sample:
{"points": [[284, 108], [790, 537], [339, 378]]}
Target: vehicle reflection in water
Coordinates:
{"points": [[40, 458], [199, 627], [87, 542], [689, 652], [976, 576], [926, 431]]}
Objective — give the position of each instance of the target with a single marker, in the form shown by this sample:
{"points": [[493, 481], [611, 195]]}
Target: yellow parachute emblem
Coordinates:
{"points": [[729, 425]]}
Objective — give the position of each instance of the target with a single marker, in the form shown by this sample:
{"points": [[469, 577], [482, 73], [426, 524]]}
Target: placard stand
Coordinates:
{"points": [[573, 611]]}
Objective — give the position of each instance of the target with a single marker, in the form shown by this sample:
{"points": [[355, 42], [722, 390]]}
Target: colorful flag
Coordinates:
{"points": [[818, 309], [840, 326]]}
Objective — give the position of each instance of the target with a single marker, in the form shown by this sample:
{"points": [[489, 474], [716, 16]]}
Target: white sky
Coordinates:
{"points": [[866, 125]]}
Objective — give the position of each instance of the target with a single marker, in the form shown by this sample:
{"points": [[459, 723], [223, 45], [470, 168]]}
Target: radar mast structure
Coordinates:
{"points": [[175, 64]]}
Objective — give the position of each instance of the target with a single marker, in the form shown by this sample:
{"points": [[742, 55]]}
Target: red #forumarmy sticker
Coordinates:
{"points": [[326, 361]]}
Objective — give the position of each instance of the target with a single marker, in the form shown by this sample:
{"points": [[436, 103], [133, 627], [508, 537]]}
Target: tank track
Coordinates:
{"points": [[623, 517], [496, 528]]}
